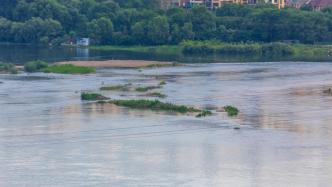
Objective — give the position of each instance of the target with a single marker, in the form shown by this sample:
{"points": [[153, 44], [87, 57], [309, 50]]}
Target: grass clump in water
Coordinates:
{"points": [[116, 88], [35, 66], [156, 94], [69, 69], [145, 89], [161, 83], [92, 96], [231, 111], [204, 113], [8, 68], [154, 105]]}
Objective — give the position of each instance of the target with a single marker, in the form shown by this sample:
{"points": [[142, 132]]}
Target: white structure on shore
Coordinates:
{"points": [[83, 41]]}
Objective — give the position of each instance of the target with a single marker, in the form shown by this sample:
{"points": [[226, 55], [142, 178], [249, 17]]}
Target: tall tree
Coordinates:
{"points": [[101, 30]]}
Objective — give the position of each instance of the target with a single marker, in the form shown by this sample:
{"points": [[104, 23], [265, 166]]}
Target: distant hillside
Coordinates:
{"points": [[144, 22]]}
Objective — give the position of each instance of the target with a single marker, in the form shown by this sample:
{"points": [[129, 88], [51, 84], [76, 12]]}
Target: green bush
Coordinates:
{"points": [[154, 105], [156, 94], [124, 87], [202, 48], [8, 68], [238, 49], [161, 83], [204, 113], [215, 47], [210, 47], [277, 49], [231, 111], [92, 96], [35, 66], [145, 89], [69, 69]]}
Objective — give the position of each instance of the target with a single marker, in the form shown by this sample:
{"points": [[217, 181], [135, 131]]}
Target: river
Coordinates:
{"points": [[49, 137]]}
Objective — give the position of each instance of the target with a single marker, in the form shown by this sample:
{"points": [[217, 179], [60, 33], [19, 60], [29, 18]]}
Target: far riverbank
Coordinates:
{"points": [[20, 54], [233, 52]]}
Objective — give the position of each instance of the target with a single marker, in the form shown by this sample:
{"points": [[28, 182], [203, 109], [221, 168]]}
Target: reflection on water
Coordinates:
{"points": [[49, 137], [83, 52], [20, 54]]}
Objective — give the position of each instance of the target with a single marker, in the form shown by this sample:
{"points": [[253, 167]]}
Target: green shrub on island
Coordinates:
{"points": [[69, 69], [8, 68], [35, 66], [124, 87], [92, 96], [145, 89], [154, 105], [41, 66], [161, 83], [145, 104], [204, 113], [156, 94], [231, 111]]}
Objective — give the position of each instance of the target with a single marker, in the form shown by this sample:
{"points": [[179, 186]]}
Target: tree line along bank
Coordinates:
{"points": [[142, 22]]}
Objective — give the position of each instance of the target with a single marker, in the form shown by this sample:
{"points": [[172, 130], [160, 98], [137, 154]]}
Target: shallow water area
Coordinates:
{"points": [[49, 137]]}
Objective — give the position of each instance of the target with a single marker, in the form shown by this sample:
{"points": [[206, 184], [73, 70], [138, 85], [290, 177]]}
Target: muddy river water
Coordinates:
{"points": [[49, 137]]}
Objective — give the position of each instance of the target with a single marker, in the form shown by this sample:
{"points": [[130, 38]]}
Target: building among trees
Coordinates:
{"points": [[315, 5], [83, 41], [319, 4], [212, 4]]}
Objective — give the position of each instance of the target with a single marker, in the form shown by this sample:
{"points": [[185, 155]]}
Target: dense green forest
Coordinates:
{"points": [[145, 22]]}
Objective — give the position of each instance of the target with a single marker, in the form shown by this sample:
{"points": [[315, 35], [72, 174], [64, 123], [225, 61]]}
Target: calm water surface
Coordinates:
{"points": [[48, 137], [20, 54]]}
